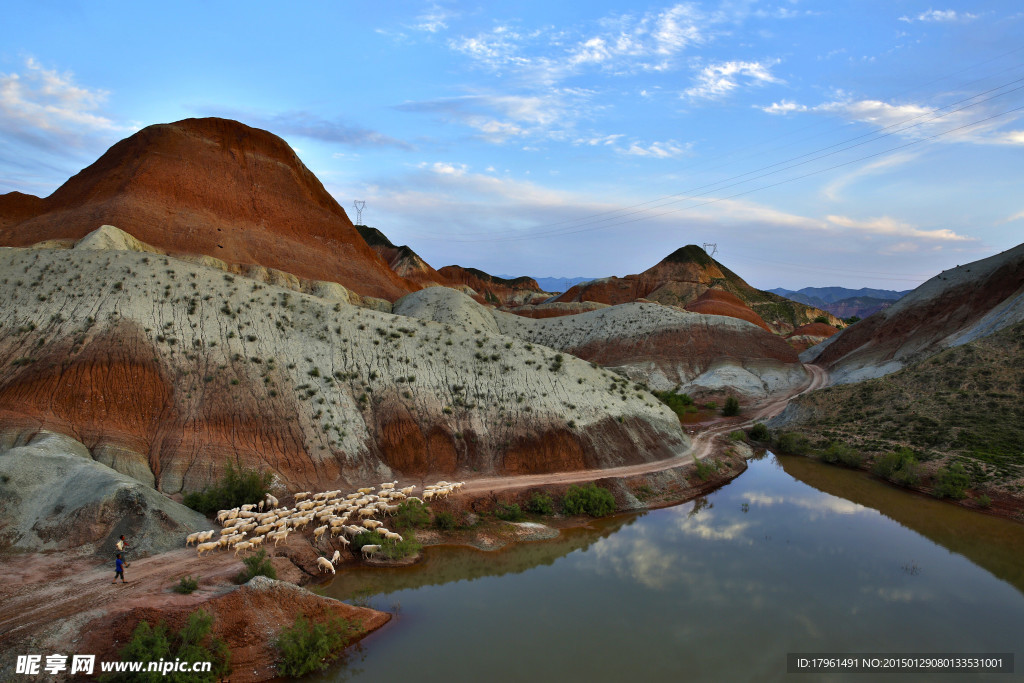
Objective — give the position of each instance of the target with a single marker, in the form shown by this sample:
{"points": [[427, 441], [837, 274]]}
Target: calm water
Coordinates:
{"points": [[719, 589]]}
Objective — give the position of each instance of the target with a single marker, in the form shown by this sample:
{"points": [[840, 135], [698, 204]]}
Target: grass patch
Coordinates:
{"points": [[411, 514], [679, 403]]}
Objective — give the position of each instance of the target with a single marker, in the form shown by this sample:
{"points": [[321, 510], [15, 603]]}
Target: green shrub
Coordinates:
{"points": [[679, 403], [759, 432], [257, 565], [983, 501], [738, 435], [822, 319], [952, 482], [509, 512], [193, 643], [704, 470], [842, 454], [444, 520], [411, 514], [731, 407], [541, 504], [389, 550], [899, 467], [366, 538], [306, 647], [590, 499], [793, 443], [187, 584], [236, 488]]}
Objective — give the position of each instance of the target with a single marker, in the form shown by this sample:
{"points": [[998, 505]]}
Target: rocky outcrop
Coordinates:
{"points": [[555, 309], [56, 496], [952, 308], [682, 277], [213, 187], [170, 369]]}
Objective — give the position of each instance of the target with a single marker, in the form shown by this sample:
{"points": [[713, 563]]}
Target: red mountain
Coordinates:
{"points": [[215, 187]]}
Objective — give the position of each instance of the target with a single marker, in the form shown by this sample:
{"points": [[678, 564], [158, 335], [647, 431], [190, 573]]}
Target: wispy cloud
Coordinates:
{"points": [[915, 121], [833, 189], [498, 118], [717, 80], [433, 20], [885, 225], [49, 110], [1019, 216], [658, 150], [307, 125], [941, 15]]}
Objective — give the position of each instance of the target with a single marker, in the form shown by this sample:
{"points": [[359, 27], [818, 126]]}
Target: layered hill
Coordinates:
{"points": [[169, 369], [405, 262], [214, 187], [683, 276], [952, 308], [658, 346], [496, 290]]}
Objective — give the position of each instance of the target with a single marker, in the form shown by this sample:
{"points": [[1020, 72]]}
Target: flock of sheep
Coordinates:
{"points": [[249, 526]]}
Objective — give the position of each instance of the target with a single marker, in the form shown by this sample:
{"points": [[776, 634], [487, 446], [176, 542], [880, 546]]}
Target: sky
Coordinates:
{"points": [[816, 143]]}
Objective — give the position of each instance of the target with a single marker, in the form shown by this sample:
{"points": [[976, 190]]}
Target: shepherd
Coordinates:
{"points": [[118, 569]]}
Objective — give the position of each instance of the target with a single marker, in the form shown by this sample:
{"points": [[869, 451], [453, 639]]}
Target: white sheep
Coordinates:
{"points": [[271, 501], [369, 550], [319, 532], [408, 490], [193, 538], [336, 557], [301, 496], [392, 536], [279, 536], [205, 548], [372, 523], [256, 541], [239, 547], [365, 490], [344, 541], [324, 564]]}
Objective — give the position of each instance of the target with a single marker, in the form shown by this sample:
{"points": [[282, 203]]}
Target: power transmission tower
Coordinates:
{"points": [[714, 249], [360, 205]]}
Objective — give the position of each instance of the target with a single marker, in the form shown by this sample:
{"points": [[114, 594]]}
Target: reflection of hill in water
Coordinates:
{"points": [[446, 564], [995, 544]]}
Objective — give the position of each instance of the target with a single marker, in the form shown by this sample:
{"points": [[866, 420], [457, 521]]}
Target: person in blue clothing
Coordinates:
{"points": [[119, 569]]}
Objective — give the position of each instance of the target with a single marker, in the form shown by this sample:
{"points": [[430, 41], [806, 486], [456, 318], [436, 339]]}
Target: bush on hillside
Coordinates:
{"points": [[510, 512], [731, 407], [842, 454], [899, 467], [256, 565], [759, 432], [411, 514], [541, 504], [679, 403], [236, 488], [590, 500], [306, 647], [793, 443], [952, 482]]}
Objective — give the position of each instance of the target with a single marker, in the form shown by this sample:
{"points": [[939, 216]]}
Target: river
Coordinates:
{"points": [[792, 556]]}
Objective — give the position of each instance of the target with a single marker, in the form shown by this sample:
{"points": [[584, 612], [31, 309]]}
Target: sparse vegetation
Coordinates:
{"points": [[193, 643], [681, 404], [411, 514], [510, 512], [899, 467], [540, 504], [952, 482], [731, 407], [444, 520]]}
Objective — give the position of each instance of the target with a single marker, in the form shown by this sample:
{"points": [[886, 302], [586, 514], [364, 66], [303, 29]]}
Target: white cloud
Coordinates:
{"points": [[885, 225], [783, 107], [717, 80], [433, 20], [44, 104], [604, 140], [941, 15], [884, 165], [658, 150]]}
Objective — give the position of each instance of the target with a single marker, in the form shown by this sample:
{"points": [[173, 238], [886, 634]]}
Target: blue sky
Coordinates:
{"points": [[817, 143]]}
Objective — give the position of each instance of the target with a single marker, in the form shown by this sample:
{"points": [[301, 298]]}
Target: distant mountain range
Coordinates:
{"points": [[843, 302]]}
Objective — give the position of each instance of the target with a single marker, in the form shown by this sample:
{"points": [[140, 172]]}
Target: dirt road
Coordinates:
{"points": [[701, 447]]}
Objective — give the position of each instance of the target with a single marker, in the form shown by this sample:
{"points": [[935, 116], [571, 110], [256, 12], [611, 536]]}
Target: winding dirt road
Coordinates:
{"points": [[702, 446]]}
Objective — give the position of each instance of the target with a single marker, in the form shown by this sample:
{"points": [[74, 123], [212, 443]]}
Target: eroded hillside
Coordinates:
{"points": [[168, 369]]}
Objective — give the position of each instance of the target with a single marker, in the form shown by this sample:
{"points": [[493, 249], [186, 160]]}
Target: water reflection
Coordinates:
{"points": [[720, 588]]}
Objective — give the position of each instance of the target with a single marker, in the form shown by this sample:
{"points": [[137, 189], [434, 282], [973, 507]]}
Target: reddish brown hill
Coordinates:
{"points": [[405, 262], [806, 336], [682, 277], [209, 186], [719, 302], [495, 290]]}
